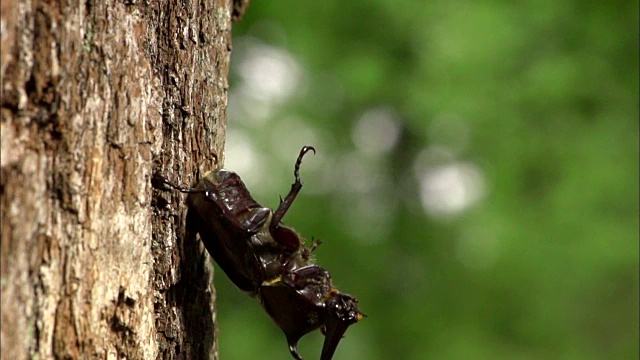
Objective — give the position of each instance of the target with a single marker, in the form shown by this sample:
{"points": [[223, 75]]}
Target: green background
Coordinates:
{"points": [[476, 181]]}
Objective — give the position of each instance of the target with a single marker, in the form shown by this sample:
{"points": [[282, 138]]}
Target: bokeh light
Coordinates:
{"points": [[476, 180]]}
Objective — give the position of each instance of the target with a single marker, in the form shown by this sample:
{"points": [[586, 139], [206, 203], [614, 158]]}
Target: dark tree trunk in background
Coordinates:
{"points": [[96, 97]]}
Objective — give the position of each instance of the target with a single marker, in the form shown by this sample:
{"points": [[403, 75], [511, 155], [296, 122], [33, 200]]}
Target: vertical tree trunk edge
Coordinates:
{"points": [[96, 97]]}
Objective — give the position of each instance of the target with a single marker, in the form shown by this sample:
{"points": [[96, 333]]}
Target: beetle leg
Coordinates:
{"points": [[160, 182], [295, 189]]}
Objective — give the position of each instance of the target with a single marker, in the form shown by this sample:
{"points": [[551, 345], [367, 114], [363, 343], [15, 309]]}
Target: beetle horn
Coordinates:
{"points": [[293, 348], [343, 312]]}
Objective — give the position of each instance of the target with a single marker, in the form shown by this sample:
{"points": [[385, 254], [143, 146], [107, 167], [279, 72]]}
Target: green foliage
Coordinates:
{"points": [[534, 104]]}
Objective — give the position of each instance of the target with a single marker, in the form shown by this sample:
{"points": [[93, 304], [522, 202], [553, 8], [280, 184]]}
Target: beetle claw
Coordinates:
{"points": [[293, 348]]}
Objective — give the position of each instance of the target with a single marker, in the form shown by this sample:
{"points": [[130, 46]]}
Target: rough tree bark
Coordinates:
{"points": [[96, 96]]}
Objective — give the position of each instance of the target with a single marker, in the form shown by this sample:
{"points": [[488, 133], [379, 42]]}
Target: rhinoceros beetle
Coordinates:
{"points": [[267, 259]]}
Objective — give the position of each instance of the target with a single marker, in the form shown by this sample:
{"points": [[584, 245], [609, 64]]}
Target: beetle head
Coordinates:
{"points": [[303, 301], [341, 312]]}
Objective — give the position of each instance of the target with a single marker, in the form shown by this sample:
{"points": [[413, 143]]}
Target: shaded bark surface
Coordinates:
{"points": [[96, 97]]}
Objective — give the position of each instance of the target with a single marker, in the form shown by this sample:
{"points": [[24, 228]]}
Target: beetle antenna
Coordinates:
{"points": [[314, 244], [295, 189], [307, 251]]}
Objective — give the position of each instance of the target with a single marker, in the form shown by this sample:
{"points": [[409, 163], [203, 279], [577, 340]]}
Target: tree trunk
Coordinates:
{"points": [[97, 96]]}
